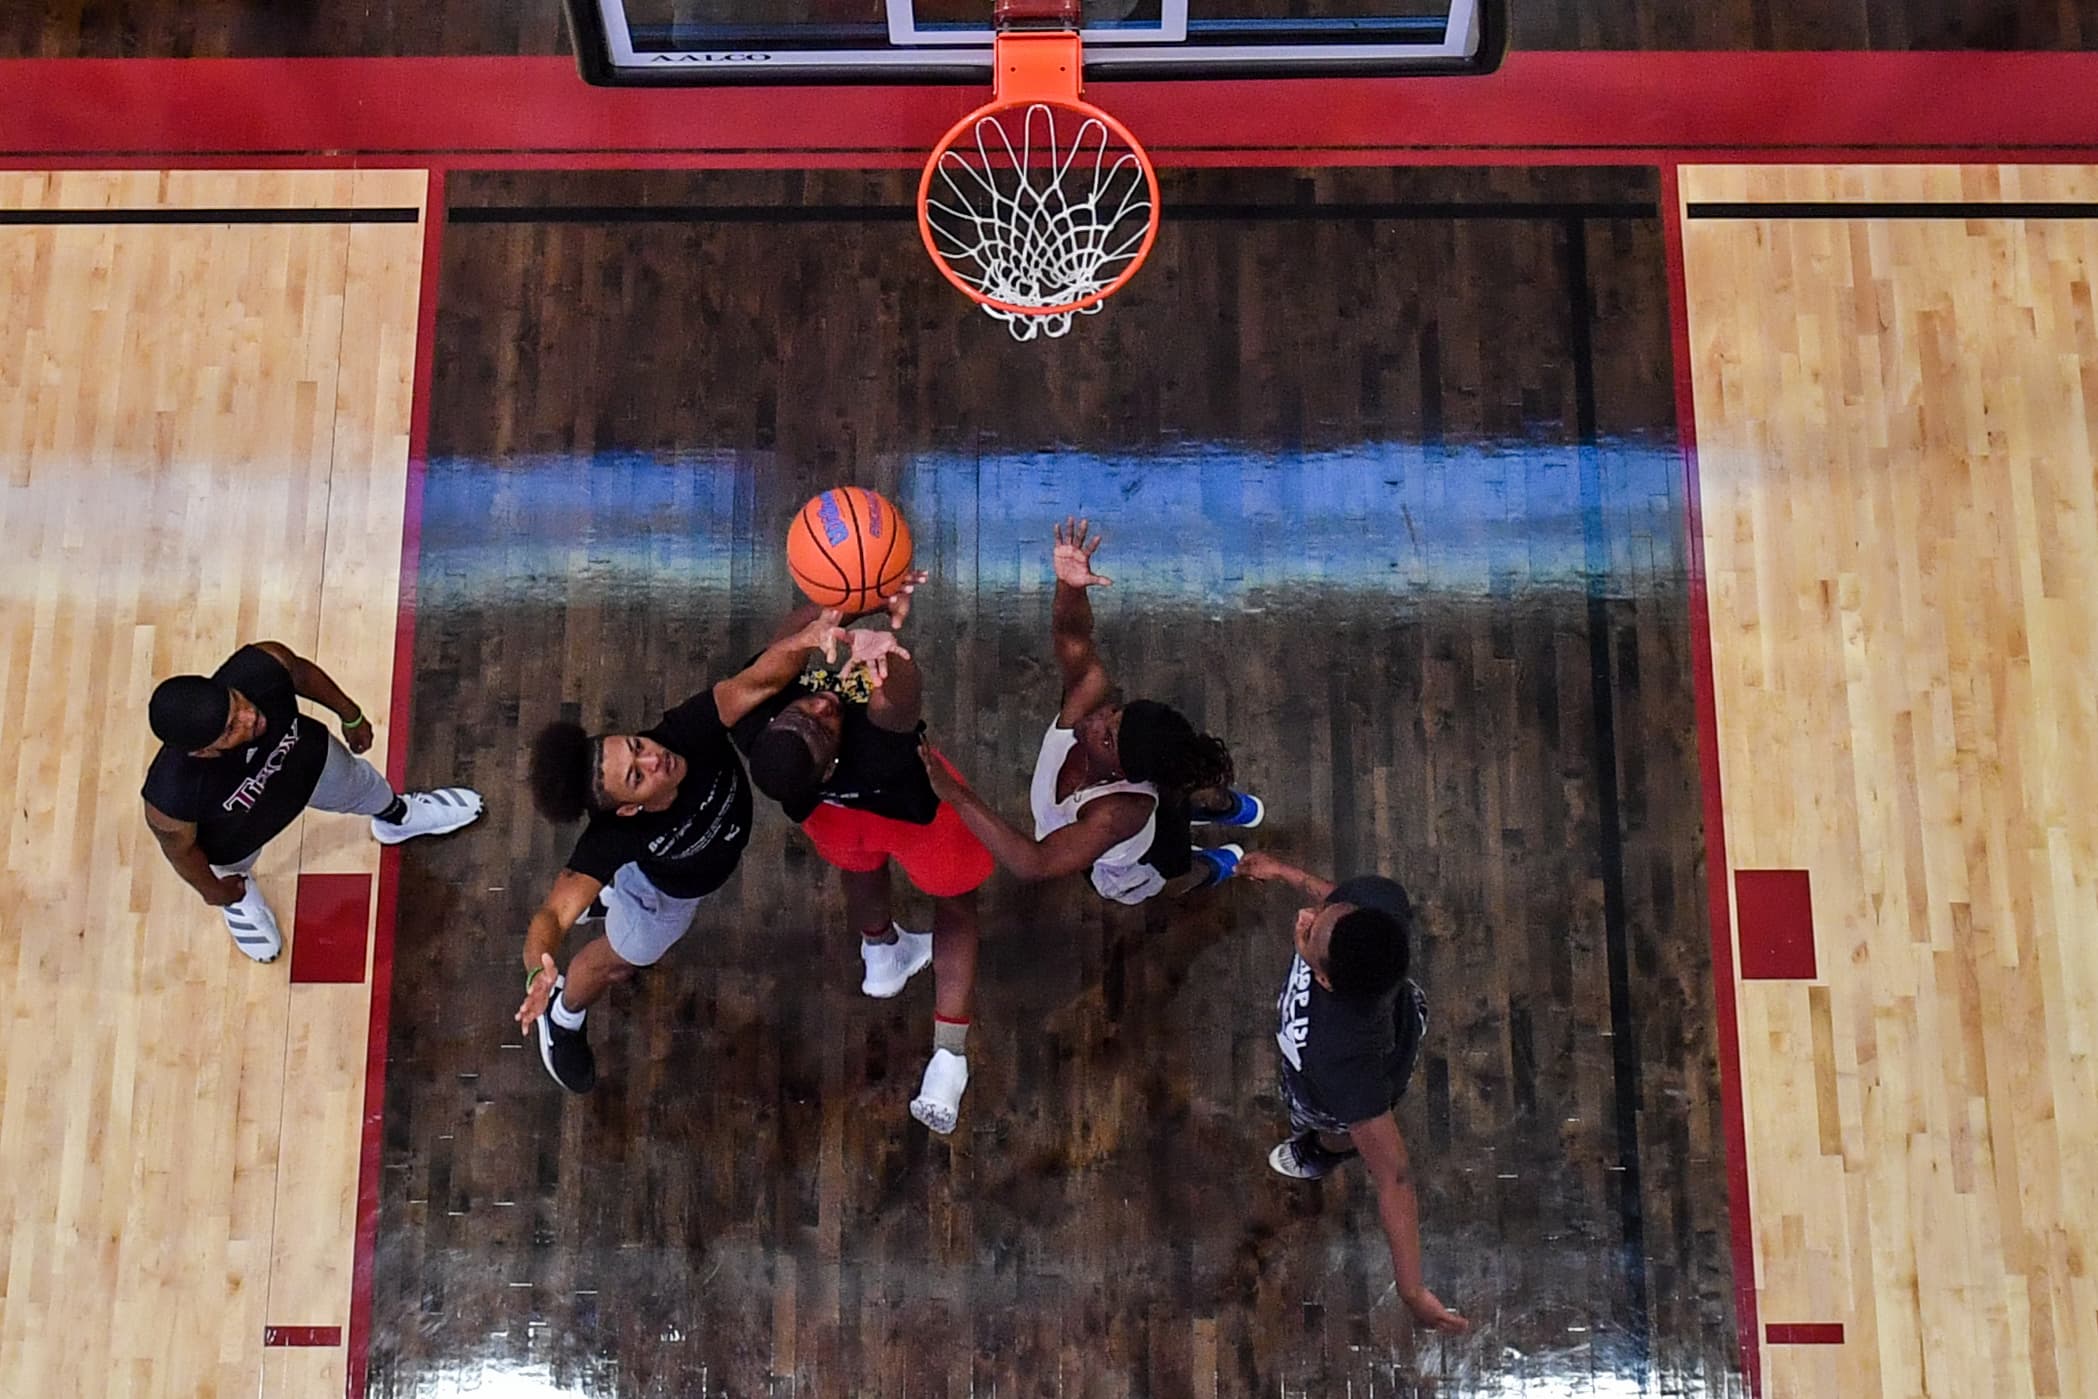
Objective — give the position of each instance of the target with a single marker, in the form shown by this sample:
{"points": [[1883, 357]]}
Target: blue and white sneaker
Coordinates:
{"points": [[1249, 812], [1221, 862]]}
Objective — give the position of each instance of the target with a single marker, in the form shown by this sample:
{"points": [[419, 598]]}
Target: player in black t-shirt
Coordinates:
{"points": [[669, 815], [1350, 1033], [843, 762], [239, 762]]}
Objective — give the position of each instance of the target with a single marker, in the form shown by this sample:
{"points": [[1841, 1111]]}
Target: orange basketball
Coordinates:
{"points": [[849, 548]]}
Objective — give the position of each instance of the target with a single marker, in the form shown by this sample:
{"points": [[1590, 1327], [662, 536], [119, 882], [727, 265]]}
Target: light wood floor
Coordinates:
{"points": [[1895, 423], [203, 440]]}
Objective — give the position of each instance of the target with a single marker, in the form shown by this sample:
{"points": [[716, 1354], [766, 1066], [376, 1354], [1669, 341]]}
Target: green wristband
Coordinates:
{"points": [[355, 723], [533, 975]]}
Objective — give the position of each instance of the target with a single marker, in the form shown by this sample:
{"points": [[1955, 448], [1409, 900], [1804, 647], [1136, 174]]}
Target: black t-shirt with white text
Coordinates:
{"points": [[878, 770], [243, 798], [1340, 1055], [690, 848]]}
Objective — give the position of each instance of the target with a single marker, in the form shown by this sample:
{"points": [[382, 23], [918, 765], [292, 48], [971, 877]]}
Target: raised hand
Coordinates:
{"points": [[1428, 1309], [538, 992], [945, 785], [1073, 557], [228, 889], [870, 651], [826, 634], [898, 603]]}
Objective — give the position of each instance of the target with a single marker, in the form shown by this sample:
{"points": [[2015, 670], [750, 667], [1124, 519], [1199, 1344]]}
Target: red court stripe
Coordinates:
{"points": [[463, 107], [302, 1335], [1725, 1012], [327, 942], [396, 773], [1775, 912], [1804, 1333]]}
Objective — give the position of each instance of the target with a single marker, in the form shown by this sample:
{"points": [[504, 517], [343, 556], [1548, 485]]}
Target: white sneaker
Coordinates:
{"points": [[939, 1099], [891, 964], [254, 927], [430, 814]]}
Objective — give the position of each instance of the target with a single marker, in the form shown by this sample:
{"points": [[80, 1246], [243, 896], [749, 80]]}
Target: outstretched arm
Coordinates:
{"points": [[899, 702], [309, 681], [777, 666], [1384, 1152], [1086, 685], [1102, 824], [1263, 866], [565, 903]]}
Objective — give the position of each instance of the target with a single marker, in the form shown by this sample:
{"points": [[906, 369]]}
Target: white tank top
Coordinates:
{"points": [[1120, 873]]}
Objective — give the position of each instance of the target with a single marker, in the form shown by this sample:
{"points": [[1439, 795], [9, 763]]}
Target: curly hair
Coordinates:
{"points": [[1158, 745], [565, 782]]}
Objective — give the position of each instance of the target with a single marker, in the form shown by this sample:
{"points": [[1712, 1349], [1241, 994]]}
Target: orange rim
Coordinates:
{"points": [[1069, 103]]}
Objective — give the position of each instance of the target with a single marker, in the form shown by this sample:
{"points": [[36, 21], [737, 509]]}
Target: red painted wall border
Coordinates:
{"points": [[1725, 1010], [464, 110], [397, 719]]}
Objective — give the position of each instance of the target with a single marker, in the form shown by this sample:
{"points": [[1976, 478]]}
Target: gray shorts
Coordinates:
{"points": [[348, 784], [641, 921]]}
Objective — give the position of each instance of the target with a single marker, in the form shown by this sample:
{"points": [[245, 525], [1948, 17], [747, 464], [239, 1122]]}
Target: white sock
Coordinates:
{"points": [[564, 1017]]}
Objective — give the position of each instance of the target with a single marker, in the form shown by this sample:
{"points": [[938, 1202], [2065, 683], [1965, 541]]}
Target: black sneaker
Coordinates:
{"points": [[1302, 1158], [566, 1053]]}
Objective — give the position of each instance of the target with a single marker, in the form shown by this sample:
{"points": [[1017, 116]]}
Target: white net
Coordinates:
{"points": [[1036, 221]]}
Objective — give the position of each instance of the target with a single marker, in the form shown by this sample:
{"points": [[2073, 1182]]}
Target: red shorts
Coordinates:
{"points": [[943, 859]]}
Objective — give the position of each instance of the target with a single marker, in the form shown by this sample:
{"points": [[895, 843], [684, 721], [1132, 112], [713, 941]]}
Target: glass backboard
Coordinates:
{"points": [[702, 42]]}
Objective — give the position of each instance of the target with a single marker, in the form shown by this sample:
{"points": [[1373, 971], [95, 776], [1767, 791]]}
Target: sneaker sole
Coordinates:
{"points": [[937, 1117], [446, 829]]}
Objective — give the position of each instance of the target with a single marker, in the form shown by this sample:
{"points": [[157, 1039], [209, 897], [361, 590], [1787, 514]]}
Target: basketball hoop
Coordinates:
{"points": [[1038, 206]]}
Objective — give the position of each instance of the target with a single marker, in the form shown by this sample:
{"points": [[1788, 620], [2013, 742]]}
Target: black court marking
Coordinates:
{"points": [[88, 218], [1624, 1040], [1892, 209], [906, 213]]}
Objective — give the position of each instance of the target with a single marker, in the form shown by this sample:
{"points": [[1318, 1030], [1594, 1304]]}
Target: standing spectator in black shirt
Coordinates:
{"points": [[239, 762], [1350, 1033], [669, 815]]}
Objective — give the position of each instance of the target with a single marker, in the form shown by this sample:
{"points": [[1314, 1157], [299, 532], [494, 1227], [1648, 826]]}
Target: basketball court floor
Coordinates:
{"points": [[1640, 493]]}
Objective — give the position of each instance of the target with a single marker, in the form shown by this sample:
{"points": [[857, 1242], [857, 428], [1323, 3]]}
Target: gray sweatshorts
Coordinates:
{"points": [[348, 784], [641, 921]]}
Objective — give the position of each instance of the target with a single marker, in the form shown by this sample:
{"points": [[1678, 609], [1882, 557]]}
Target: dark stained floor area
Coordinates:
{"points": [[1386, 460]]}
